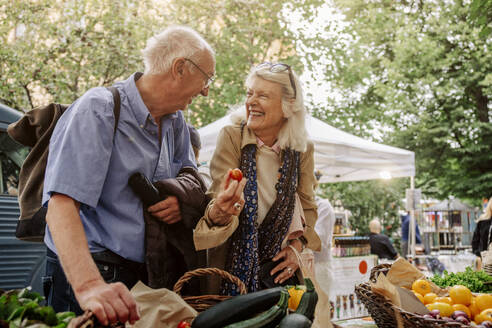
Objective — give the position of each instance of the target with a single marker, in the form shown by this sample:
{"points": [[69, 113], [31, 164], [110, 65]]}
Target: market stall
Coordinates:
{"points": [[399, 295], [449, 225], [347, 273]]}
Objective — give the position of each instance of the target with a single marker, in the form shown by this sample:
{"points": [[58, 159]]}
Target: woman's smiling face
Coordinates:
{"points": [[264, 108]]}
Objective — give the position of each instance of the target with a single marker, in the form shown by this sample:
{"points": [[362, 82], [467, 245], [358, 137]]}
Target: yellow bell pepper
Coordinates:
{"points": [[295, 295]]}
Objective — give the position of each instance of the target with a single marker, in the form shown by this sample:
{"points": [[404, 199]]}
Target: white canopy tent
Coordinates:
{"points": [[340, 156]]}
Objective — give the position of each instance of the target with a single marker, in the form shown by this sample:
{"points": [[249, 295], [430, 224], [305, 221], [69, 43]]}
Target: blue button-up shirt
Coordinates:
{"points": [[86, 164]]}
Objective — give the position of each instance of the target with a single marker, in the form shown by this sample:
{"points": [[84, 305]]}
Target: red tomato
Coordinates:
{"points": [[183, 324], [236, 174]]}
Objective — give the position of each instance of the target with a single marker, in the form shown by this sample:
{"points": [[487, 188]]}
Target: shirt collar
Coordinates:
{"points": [[249, 137], [275, 147], [137, 106]]}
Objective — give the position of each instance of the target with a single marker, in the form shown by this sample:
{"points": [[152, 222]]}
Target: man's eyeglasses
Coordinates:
{"points": [[278, 68], [210, 79]]}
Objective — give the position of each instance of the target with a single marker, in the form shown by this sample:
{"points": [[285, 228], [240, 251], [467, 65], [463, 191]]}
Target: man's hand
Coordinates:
{"points": [[166, 210], [230, 194], [110, 303]]}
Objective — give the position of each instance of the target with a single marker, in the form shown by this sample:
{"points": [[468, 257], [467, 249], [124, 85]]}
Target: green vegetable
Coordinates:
{"points": [[238, 308], [21, 308], [474, 280], [270, 318], [308, 301], [295, 320]]}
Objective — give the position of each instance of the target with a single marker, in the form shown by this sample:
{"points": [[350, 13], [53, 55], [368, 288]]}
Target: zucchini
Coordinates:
{"points": [[295, 320], [238, 308], [270, 318], [308, 301]]}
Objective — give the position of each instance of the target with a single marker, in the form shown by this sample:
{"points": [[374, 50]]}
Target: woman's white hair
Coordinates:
{"points": [[174, 42], [293, 133]]}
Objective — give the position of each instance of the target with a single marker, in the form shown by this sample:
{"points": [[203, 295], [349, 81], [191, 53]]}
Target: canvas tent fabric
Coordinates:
{"points": [[339, 155]]}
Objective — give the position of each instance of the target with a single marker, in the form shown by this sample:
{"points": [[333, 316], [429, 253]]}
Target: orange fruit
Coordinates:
{"points": [[483, 301], [461, 307], [445, 309], [429, 298], [420, 297], [479, 318], [421, 286], [473, 309], [447, 300], [460, 295], [485, 315]]}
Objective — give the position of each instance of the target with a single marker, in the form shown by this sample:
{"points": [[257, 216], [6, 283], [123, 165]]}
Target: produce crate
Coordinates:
{"points": [[387, 315]]}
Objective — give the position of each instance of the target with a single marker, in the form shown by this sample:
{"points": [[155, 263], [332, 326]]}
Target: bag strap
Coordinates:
{"points": [[488, 239], [117, 106]]}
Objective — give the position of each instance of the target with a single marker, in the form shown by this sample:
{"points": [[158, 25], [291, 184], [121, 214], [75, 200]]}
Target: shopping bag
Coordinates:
{"points": [[487, 260], [322, 311]]}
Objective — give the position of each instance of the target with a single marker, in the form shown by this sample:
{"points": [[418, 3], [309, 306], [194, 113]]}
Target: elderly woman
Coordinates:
{"points": [[254, 221]]}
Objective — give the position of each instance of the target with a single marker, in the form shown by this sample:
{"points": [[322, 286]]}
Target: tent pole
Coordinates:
{"points": [[411, 236]]}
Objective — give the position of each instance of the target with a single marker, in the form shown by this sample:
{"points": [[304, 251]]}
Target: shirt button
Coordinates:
{"points": [[106, 268], [141, 125]]}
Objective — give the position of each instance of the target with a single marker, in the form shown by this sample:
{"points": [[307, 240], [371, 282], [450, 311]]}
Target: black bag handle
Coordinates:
{"points": [[117, 106]]}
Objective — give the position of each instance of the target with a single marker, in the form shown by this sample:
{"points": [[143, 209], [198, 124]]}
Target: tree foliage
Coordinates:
{"points": [[62, 48], [422, 76], [481, 15], [59, 49]]}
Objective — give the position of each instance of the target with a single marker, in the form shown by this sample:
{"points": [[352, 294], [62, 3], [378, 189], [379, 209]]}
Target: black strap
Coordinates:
{"points": [[488, 238], [117, 105]]}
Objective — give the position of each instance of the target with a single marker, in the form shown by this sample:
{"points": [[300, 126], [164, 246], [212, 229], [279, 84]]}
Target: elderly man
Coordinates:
{"points": [[380, 243], [95, 226]]}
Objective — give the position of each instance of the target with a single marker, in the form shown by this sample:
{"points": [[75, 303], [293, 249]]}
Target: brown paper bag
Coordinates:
{"points": [[160, 307], [322, 311], [402, 274], [386, 289]]}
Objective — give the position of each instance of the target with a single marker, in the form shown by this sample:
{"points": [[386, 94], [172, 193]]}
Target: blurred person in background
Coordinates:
{"points": [[380, 243], [324, 229], [196, 144], [405, 227], [482, 236]]}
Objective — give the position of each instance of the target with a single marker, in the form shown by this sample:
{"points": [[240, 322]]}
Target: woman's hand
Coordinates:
{"points": [[229, 200], [289, 265]]}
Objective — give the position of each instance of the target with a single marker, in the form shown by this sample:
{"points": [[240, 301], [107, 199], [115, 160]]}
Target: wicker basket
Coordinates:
{"points": [[203, 302], [387, 315]]}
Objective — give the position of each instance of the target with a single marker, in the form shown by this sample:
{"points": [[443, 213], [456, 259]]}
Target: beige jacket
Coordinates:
{"points": [[227, 156]]}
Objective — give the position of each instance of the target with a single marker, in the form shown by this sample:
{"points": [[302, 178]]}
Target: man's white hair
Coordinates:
{"points": [[174, 42], [293, 133], [375, 226]]}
